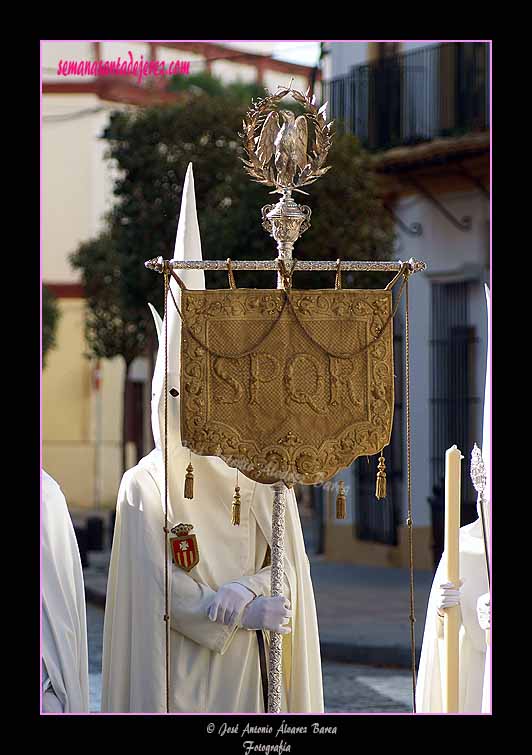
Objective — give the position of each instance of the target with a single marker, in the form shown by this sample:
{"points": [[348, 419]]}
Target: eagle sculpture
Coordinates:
{"points": [[286, 144]]}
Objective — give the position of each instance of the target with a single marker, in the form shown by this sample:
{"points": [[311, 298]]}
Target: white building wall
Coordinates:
{"points": [[450, 254], [53, 52], [67, 188], [254, 48], [229, 71], [274, 79], [342, 57], [76, 179]]}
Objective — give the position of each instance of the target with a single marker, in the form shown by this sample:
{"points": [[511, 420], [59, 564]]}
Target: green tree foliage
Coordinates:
{"points": [[112, 328], [197, 83], [204, 83], [50, 317]]}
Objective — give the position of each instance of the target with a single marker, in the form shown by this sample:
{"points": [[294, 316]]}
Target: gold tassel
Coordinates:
{"points": [[341, 501], [189, 482], [235, 511], [380, 491]]}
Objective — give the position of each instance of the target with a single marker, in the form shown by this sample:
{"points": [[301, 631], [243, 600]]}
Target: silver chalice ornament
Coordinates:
{"points": [[280, 154], [286, 152]]}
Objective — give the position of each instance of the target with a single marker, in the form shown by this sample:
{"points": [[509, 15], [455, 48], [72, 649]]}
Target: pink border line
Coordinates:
{"points": [[438, 41], [490, 321], [40, 377]]}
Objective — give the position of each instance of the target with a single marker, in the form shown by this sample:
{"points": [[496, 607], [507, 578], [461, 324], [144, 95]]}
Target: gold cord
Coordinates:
{"points": [[405, 268], [380, 487], [288, 300], [409, 523], [348, 355], [341, 501], [166, 590], [230, 274], [188, 491], [338, 277], [235, 509], [214, 353]]}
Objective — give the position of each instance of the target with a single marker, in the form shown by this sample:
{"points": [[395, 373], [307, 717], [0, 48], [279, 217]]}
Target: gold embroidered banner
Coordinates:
{"points": [[287, 385]]}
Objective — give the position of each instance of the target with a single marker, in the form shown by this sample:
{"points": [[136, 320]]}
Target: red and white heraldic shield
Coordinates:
{"points": [[185, 551]]}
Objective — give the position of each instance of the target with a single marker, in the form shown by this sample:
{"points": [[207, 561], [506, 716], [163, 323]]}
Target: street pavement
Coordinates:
{"points": [[348, 688], [352, 688], [95, 640], [363, 612]]}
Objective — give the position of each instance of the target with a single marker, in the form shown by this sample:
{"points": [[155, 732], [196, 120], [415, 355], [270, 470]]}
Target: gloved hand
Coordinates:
{"points": [[448, 596], [229, 602], [267, 613], [484, 611]]}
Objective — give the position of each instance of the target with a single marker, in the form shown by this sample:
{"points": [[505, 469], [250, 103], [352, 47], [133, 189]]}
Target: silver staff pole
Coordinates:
{"points": [[285, 221], [478, 478]]}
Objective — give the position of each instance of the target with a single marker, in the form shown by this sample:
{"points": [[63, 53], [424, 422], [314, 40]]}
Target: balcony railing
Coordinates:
{"points": [[414, 97]]}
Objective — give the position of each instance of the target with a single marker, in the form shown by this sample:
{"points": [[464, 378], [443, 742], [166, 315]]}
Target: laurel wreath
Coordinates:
{"points": [[253, 122]]}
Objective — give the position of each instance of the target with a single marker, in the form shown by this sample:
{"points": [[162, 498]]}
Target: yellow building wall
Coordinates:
{"points": [[341, 545], [69, 414], [76, 192], [67, 183]]}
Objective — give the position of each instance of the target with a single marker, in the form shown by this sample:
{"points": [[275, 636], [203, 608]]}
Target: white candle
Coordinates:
{"points": [[451, 620]]}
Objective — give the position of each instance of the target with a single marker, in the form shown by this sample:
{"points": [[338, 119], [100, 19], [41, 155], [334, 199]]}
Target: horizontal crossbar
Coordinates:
{"points": [[158, 264]]}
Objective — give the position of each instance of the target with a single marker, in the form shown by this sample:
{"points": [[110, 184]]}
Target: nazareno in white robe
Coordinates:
{"points": [[474, 656], [472, 642], [213, 668], [64, 626]]}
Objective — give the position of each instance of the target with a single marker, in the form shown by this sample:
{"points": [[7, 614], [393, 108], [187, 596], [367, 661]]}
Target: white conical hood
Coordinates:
{"points": [[187, 247], [157, 319], [486, 422]]}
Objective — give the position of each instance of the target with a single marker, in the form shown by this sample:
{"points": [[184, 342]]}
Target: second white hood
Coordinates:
{"points": [[187, 247]]}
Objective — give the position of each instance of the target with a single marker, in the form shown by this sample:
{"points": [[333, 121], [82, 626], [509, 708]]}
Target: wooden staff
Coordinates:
{"points": [[451, 621]]}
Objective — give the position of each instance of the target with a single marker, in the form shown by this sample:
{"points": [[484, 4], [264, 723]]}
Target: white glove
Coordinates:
{"points": [[484, 611], [448, 596], [228, 603], [267, 613]]}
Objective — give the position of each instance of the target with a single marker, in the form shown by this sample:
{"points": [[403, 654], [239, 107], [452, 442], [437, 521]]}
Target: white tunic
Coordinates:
{"points": [[64, 626], [472, 641], [474, 654], [214, 668]]}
